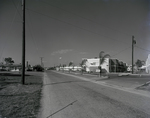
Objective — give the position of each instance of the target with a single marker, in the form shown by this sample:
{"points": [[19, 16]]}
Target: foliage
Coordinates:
{"points": [[102, 57], [51, 68], [83, 65], [9, 60], [83, 62], [71, 63], [139, 63], [64, 65], [38, 68]]}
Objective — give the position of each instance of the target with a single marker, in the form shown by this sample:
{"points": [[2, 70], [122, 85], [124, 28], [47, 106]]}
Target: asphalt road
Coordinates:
{"points": [[73, 97], [131, 81]]}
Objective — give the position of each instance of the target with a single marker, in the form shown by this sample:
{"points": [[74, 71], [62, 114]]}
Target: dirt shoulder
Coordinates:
{"points": [[17, 100]]}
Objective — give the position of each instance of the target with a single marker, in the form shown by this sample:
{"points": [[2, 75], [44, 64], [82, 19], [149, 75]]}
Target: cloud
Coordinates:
{"points": [[63, 51], [83, 52]]}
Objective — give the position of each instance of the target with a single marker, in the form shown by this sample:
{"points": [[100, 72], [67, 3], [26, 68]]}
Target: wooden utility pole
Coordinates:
{"points": [[23, 44], [133, 42], [27, 64], [41, 61], [99, 64]]}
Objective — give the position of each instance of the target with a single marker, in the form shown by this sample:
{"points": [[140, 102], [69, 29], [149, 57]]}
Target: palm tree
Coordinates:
{"points": [[71, 64], [139, 63], [102, 58], [83, 65]]}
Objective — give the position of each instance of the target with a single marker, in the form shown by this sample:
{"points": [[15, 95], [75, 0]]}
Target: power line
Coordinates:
{"points": [[9, 30], [75, 26], [121, 51], [84, 18], [142, 48], [32, 36], [27, 25], [7, 21], [17, 9]]}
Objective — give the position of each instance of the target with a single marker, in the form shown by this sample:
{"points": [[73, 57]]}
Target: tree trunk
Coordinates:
{"points": [[100, 71]]}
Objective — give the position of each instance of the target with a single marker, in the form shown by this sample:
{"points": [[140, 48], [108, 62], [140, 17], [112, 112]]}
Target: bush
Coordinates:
{"points": [[38, 68], [29, 69], [3, 69], [51, 68]]}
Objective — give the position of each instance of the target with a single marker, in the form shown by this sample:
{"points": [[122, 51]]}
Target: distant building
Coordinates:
{"points": [[13, 67], [73, 68], [110, 65]]}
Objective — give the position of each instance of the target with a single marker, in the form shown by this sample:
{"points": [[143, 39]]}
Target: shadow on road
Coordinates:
{"points": [[64, 82], [12, 74]]}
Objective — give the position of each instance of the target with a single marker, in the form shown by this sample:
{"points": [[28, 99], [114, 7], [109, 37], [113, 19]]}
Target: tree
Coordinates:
{"points": [[38, 68], [9, 60], [64, 65], [83, 65], [139, 63], [83, 62], [71, 63], [102, 58]]}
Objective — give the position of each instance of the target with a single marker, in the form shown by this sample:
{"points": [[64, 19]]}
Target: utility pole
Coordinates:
{"points": [[133, 42], [23, 44], [99, 64], [41, 61], [27, 63]]}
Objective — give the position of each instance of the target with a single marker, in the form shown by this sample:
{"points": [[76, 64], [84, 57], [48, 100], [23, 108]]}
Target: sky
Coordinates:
{"points": [[62, 31]]}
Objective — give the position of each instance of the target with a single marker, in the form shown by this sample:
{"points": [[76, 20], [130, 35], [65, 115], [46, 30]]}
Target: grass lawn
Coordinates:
{"points": [[17, 100]]}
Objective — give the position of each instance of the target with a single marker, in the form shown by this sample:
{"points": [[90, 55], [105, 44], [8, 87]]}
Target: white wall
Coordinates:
{"points": [[95, 63], [148, 64]]}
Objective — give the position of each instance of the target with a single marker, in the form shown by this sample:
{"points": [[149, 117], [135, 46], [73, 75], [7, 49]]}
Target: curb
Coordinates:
{"points": [[145, 84]]}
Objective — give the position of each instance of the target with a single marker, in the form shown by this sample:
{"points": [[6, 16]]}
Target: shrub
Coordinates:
{"points": [[38, 68]]}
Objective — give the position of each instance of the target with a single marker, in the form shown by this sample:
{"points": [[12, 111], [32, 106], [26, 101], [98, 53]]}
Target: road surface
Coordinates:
{"points": [[73, 97], [131, 81]]}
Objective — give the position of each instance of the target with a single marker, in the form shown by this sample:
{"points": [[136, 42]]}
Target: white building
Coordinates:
{"points": [[73, 68], [109, 65], [93, 63], [148, 64]]}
